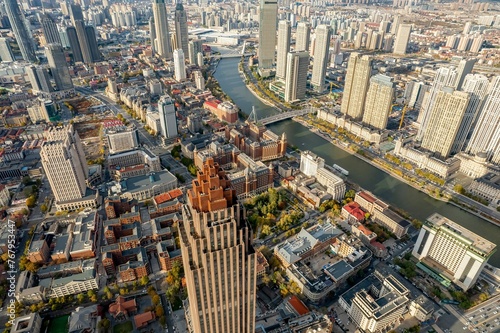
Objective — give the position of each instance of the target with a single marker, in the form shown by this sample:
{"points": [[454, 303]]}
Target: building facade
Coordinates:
{"points": [[357, 80]]}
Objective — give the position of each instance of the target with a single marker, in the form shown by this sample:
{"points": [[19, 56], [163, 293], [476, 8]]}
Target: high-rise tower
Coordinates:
{"points": [[296, 75], [219, 260], [323, 34], [357, 80], [64, 163], [168, 119], [58, 66], [50, 31], [267, 32], [23, 38], [179, 65], [402, 39], [378, 101], [162, 42], [302, 36], [92, 40], [284, 33], [74, 44], [181, 28], [486, 136], [83, 38], [444, 121]]}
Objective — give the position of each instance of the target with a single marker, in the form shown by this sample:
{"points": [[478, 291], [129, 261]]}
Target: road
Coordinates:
{"points": [[145, 137], [485, 317]]}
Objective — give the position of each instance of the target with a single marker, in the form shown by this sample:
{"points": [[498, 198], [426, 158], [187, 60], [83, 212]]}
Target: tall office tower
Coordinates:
{"points": [[63, 35], [395, 24], [162, 42], [199, 80], [91, 38], [402, 39], [485, 135], [445, 77], [181, 27], [323, 34], [477, 86], [39, 79], [444, 121], [378, 101], [447, 248], [58, 66], [284, 36], [168, 119], [302, 36], [219, 260], [296, 75], [464, 68], [79, 24], [64, 163], [23, 38], [195, 46], [50, 31], [357, 80], [152, 33], [267, 32], [179, 65], [199, 59], [5, 50], [74, 44]]}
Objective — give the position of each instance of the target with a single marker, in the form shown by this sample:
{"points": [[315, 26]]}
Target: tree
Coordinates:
{"points": [[144, 280], [159, 310], [43, 208], [26, 180], [31, 201], [163, 320], [156, 299], [459, 188], [80, 297]]}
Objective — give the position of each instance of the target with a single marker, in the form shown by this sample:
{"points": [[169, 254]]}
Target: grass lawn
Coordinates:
{"points": [[125, 327], [59, 325]]}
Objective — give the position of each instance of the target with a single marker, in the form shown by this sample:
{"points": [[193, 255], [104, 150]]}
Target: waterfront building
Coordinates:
{"points": [[194, 47], [162, 42], [302, 36], [310, 163], [378, 102], [23, 36], [402, 39], [284, 36], [321, 52], [181, 28], [168, 118], [356, 85], [268, 14], [450, 250], [296, 75]]}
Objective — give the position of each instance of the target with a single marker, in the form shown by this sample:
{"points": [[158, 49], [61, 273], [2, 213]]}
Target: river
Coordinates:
{"points": [[391, 190]]}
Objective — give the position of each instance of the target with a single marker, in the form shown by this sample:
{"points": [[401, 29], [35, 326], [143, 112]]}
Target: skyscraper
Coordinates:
{"points": [[486, 136], [477, 86], [58, 66], [378, 101], [284, 34], [79, 24], [64, 163], [23, 38], [162, 42], [195, 46], [152, 33], [445, 77], [302, 36], [464, 68], [402, 39], [296, 75], [219, 260], [91, 38], [447, 248], [444, 121], [323, 34], [179, 65], [181, 28], [357, 80], [5, 50], [168, 119], [49, 29], [74, 44], [39, 79], [267, 33]]}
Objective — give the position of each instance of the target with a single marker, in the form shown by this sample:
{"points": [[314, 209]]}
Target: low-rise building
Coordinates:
{"points": [[83, 319], [421, 308], [27, 324], [146, 186], [334, 184], [167, 257], [74, 284], [488, 188], [39, 252]]}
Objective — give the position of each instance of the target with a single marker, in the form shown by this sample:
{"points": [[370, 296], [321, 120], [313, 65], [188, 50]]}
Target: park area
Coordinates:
{"points": [[59, 325], [124, 327]]}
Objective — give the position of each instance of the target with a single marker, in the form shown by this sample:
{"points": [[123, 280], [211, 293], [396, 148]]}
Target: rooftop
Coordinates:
{"points": [[141, 183]]}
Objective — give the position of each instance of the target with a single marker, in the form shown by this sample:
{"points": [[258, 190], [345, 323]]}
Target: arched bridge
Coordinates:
{"points": [[284, 115]]}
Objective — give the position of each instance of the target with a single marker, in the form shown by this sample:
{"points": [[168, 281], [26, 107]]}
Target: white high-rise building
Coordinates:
{"points": [[486, 134], [451, 250], [64, 163], [464, 68], [181, 28], [179, 65], [444, 121], [267, 32], [310, 163], [477, 85], [296, 75], [168, 118], [402, 39], [323, 34], [378, 101], [162, 42], [302, 36], [199, 80], [284, 36], [356, 85]]}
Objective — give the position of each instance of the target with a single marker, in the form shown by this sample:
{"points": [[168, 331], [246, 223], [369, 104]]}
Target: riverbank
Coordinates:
{"points": [[333, 141]]}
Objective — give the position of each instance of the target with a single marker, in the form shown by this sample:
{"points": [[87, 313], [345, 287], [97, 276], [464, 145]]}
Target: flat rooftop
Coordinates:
{"points": [[148, 181], [438, 221]]}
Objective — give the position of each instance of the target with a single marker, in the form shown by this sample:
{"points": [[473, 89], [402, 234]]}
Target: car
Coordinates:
{"points": [[465, 327], [495, 312]]}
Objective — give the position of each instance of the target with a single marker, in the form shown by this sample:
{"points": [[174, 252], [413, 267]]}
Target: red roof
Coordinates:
{"points": [[367, 197], [378, 245], [354, 209], [164, 197], [143, 319], [298, 306], [365, 230], [212, 103]]}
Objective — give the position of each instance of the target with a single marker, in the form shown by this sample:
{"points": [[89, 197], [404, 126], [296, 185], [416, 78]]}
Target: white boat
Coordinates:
{"points": [[341, 170]]}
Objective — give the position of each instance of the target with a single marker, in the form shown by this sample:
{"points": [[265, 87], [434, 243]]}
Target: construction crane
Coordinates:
{"points": [[402, 116]]}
